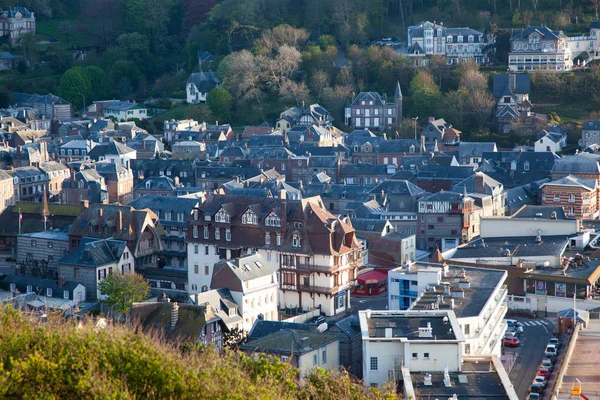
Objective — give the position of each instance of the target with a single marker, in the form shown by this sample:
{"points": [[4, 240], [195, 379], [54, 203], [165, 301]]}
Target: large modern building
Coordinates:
{"points": [[427, 39], [317, 254], [539, 48]]}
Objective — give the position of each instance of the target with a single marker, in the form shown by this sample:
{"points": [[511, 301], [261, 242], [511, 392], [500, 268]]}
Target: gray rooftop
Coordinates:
{"points": [[519, 246]]}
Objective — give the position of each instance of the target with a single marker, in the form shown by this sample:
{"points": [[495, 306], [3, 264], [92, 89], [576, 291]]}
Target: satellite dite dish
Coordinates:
{"points": [[322, 328]]}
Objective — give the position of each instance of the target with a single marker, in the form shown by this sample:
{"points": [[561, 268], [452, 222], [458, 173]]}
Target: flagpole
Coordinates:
{"points": [[20, 217]]}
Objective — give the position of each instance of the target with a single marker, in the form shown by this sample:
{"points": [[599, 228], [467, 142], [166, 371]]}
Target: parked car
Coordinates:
{"points": [[318, 320], [545, 372], [511, 342], [548, 363], [511, 334], [536, 388], [551, 351], [555, 342], [534, 396], [514, 325], [541, 380]]}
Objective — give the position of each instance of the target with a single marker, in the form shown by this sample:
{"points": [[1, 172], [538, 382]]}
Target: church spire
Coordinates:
{"points": [[398, 93]]}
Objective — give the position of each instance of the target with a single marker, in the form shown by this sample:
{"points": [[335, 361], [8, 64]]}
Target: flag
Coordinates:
{"points": [[20, 216]]}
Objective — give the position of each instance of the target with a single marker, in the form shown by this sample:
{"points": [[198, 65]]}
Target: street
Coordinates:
{"points": [[535, 336], [375, 302]]}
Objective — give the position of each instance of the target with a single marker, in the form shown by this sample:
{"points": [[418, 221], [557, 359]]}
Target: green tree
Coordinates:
{"points": [[72, 85], [6, 97], [220, 102], [125, 73], [122, 290], [97, 82], [424, 93]]}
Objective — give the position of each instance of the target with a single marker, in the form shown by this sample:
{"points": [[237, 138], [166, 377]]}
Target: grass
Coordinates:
{"points": [[51, 28], [175, 113]]}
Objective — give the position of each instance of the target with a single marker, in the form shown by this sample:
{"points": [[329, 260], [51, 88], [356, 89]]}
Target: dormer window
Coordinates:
{"points": [[272, 220], [471, 38], [449, 39], [228, 235], [459, 39], [295, 240], [49, 292], [206, 233], [439, 32], [249, 218], [13, 287], [222, 216]]}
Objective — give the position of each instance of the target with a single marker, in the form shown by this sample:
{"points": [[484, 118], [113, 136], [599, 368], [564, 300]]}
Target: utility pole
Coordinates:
{"points": [[415, 119]]}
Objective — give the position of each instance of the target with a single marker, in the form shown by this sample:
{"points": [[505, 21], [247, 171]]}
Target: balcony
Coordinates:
{"points": [[409, 293], [318, 289]]}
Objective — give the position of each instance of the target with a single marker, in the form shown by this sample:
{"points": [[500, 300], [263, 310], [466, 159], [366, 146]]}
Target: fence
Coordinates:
{"points": [[303, 317], [562, 368]]}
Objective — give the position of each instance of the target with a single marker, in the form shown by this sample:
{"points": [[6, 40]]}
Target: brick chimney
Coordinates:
{"points": [[174, 314], [120, 221], [208, 311], [283, 197], [85, 204]]}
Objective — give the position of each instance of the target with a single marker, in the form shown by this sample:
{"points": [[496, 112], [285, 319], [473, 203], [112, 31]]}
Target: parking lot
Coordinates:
{"points": [[528, 356]]}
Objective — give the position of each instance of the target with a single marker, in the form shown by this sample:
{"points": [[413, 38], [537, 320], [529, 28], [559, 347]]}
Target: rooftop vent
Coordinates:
{"points": [[427, 380], [426, 332]]}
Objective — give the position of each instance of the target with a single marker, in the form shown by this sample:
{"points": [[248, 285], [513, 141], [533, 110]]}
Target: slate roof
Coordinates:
{"points": [[571, 180], [537, 161], [398, 146], [350, 326], [365, 169], [24, 98], [289, 341], [475, 149], [444, 196], [156, 183], [369, 224], [547, 212], [501, 82], [592, 125], [519, 246], [38, 285], [122, 106], [579, 163], [221, 302], [378, 99], [262, 328], [112, 171], [93, 252], [443, 172], [246, 268], [12, 12], [544, 31], [160, 204], [204, 81], [398, 188], [489, 184]]}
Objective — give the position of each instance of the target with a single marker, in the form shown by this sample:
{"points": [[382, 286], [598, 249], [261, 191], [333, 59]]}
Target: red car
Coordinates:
{"points": [[545, 372], [511, 342]]}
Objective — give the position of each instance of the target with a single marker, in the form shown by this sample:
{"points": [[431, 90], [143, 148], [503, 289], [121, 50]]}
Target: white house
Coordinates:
{"points": [[551, 141], [476, 295], [199, 84], [423, 341], [253, 285], [123, 111]]}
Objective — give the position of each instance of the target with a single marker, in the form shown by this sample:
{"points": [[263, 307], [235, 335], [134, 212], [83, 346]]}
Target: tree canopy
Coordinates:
{"points": [[122, 290]]}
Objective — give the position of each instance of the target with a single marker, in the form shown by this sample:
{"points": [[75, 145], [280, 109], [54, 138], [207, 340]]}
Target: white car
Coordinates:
{"points": [[514, 325], [540, 379]]}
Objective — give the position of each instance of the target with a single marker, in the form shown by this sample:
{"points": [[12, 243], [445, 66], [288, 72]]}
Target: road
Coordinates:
{"points": [[535, 335], [375, 302]]}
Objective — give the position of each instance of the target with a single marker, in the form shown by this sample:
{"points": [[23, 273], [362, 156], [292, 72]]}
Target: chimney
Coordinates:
{"points": [[72, 179], [120, 221], [61, 281], [176, 181], [208, 311], [304, 343], [174, 314], [388, 333], [85, 204], [422, 145], [513, 82]]}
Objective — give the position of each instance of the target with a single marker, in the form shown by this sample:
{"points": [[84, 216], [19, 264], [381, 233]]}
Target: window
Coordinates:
{"points": [[267, 238], [49, 292], [29, 288], [556, 197], [228, 235], [217, 234], [34, 243], [195, 249], [415, 356], [467, 348], [374, 364], [284, 358], [324, 356], [315, 359], [50, 245], [66, 294], [195, 232], [222, 216], [571, 198], [426, 356], [50, 259], [467, 329], [279, 239], [196, 269], [206, 270], [526, 166], [13, 287], [295, 240], [206, 234]]}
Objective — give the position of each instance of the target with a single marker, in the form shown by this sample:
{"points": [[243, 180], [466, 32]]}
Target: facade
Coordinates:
{"points": [[314, 114], [171, 127], [93, 260], [119, 181], [141, 230], [8, 195], [199, 84], [530, 220], [590, 134], [56, 174], [427, 39], [48, 106], [48, 246], [76, 150], [253, 285], [423, 341], [577, 196], [477, 296], [173, 213], [315, 270], [370, 110], [29, 183], [539, 48], [15, 22], [86, 184], [549, 142], [114, 152], [49, 293], [446, 219]]}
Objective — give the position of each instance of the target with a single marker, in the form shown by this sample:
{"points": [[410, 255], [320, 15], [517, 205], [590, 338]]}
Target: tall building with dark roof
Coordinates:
{"points": [[371, 110], [16, 22]]}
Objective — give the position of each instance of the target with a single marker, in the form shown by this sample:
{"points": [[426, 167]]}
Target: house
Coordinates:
{"points": [[119, 181], [315, 270], [416, 340], [455, 44], [56, 173], [141, 230], [446, 219], [124, 111], [314, 114], [76, 150], [114, 152], [8, 60], [435, 178], [471, 153], [181, 323], [513, 108], [55, 294], [577, 196], [93, 260], [590, 134], [49, 246], [173, 213], [205, 60], [222, 304], [539, 48], [7, 190], [183, 169], [371, 110], [16, 22], [45, 106], [146, 146], [553, 141], [583, 165], [171, 127], [155, 186], [487, 192], [29, 183], [253, 285], [303, 349], [433, 132], [199, 84], [86, 184], [350, 345]]}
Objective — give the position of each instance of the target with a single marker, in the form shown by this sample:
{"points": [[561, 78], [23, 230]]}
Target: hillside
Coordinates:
{"points": [[55, 360]]}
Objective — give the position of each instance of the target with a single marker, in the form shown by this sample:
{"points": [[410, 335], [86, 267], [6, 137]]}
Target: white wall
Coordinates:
{"points": [[332, 362], [511, 227]]}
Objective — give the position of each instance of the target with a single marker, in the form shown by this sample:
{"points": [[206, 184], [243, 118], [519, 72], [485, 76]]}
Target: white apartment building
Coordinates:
{"points": [[316, 255], [476, 295], [253, 285], [425, 341]]}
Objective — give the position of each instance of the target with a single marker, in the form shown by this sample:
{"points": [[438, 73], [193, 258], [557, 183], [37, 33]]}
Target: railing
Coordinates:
{"points": [[318, 289], [411, 293]]}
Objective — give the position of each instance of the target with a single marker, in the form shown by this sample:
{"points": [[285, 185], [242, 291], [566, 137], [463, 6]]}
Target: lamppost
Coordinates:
{"points": [[415, 119], [546, 305], [83, 96]]}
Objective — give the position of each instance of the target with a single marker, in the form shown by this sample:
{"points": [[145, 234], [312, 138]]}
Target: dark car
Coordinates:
{"points": [[537, 388], [511, 342], [318, 320]]}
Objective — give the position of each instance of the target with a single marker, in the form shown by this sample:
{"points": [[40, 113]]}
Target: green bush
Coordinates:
{"points": [[179, 94], [56, 360]]}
